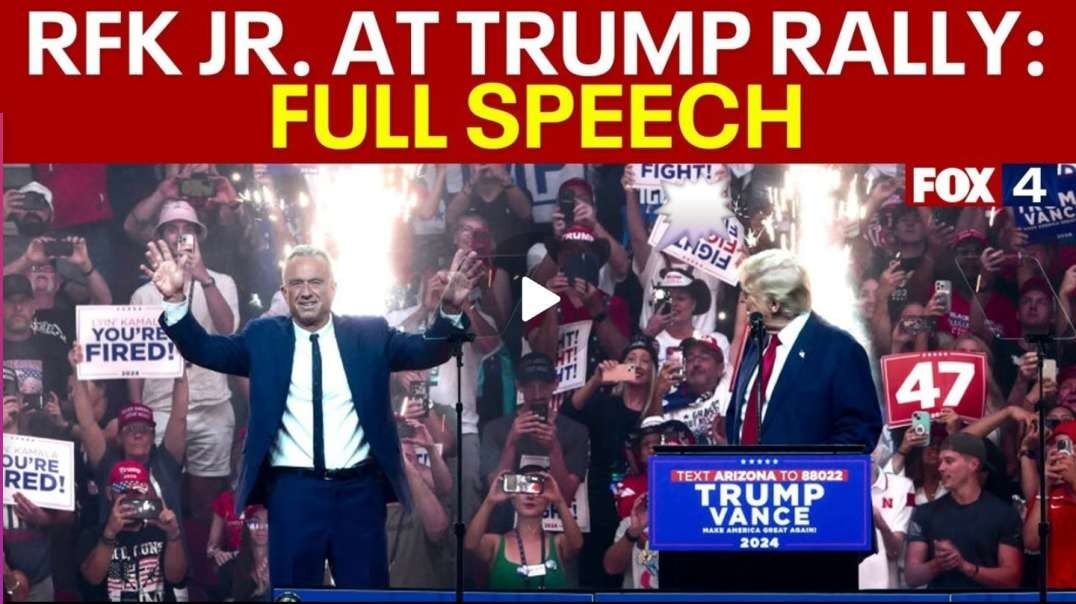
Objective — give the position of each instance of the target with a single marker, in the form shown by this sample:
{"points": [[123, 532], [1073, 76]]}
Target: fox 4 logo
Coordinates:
{"points": [[943, 187]]}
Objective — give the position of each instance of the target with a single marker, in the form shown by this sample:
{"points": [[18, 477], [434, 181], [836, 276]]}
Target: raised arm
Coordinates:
{"points": [[175, 432], [172, 278], [91, 435]]}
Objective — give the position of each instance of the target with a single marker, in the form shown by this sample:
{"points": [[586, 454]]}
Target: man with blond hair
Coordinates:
{"points": [[816, 378]]}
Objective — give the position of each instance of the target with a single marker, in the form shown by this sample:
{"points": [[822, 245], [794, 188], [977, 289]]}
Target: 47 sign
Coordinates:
{"points": [[932, 381]]}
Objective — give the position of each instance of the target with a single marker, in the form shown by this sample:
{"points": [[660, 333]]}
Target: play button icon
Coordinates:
{"points": [[536, 299]]}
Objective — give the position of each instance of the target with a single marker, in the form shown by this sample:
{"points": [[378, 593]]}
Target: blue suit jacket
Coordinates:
{"points": [[264, 351], [824, 394]]}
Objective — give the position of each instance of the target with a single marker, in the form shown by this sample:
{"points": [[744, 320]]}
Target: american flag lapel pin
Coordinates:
{"points": [[803, 355]]}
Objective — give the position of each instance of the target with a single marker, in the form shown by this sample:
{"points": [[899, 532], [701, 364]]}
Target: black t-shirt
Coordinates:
{"points": [[40, 363], [136, 573], [975, 529], [609, 422], [58, 321]]}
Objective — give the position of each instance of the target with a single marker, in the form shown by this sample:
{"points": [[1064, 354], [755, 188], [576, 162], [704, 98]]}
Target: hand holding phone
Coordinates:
{"points": [[622, 372], [1049, 369], [921, 426]]}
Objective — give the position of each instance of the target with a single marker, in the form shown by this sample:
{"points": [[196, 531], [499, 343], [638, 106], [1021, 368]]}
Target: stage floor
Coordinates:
{"points": [[641, 597]]}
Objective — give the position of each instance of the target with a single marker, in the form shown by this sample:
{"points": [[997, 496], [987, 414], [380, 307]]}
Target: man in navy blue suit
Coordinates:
{"points": [[321, 451], [816, 378]]}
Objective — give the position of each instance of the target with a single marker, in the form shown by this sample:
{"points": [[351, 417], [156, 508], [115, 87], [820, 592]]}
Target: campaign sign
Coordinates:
{"points": [[41, 469], [932, 381], [760, 502], [714, 255], [125, 342], [572, 340], [653, 175], [1056, 220]]}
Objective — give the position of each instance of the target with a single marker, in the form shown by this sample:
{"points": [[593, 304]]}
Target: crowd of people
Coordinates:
{"points": [[554, 454]]}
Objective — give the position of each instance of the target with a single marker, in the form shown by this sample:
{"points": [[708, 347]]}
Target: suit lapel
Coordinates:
{"points": [[286, 358], [741, 395], [793, 371], [348, 346]]}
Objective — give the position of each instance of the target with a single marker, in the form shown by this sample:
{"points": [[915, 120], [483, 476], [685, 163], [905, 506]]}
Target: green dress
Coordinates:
{"points": [[504, 574]]}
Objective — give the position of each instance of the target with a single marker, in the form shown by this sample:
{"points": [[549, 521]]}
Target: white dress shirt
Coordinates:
{"points": [[788, 335], [343, 433], [342, 430]]}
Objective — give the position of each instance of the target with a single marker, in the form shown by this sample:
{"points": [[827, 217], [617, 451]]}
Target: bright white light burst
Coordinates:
{"points": [[358, 207], [810, 221]]}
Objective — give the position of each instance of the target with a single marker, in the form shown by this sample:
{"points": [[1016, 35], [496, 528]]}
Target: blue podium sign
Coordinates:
{"points": [[760, 502]]}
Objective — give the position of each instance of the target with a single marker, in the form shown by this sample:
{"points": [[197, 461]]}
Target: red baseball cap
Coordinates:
{"points": [[1064, 429], [967, 234], [1036, 284], [134, 413], [129, 475], [708, 343]]}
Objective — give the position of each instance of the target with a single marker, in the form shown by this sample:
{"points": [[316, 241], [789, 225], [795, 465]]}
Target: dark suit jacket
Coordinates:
{"points": [[824, 394], [264, 350]]}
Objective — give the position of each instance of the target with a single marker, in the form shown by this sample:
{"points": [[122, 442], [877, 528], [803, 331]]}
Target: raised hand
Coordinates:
{"points": [[461, 279], [171, 276]]}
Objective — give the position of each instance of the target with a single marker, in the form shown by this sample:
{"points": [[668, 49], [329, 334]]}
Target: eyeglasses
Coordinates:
{"points": [[256, 524], [136, 429]]}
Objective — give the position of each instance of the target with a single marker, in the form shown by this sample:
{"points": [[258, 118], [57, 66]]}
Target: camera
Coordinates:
{"points": [[145, 508], [944, 290], [199, 186], [659, 297], [33, 201], [33, 402], [186, 243], [420, 391], [916, 325], [530, 484], [1065, 446], [566, 205], [541, 410], [405, 430], [55, 248], [582, 265]]}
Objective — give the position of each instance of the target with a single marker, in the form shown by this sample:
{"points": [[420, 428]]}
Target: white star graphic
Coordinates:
{"points": [[743, 462], [695, 210]]}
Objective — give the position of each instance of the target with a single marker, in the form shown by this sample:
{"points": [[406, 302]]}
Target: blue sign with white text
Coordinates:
{"points": [[760, 501], [1055, 221]]}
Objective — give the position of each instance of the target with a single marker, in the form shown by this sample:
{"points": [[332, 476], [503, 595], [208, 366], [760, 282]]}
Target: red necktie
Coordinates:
{"points": [[749, 435]]}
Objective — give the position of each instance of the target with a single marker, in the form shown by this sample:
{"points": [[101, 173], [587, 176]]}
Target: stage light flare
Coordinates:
{"points": [[810, 206], [358, 208]]}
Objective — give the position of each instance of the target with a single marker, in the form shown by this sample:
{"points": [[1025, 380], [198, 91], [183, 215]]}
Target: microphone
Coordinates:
{"points": [[755, 319]]}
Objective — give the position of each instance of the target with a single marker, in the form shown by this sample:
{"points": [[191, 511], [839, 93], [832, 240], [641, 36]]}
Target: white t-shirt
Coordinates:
{"points": [[207, 387], [644, 564], [443, 378], [890, 494], [650, 277]]}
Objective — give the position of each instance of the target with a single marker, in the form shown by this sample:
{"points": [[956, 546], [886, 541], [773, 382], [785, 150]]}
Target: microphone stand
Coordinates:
{"points": [[758, 329], [1040, 341], [458, 340]]}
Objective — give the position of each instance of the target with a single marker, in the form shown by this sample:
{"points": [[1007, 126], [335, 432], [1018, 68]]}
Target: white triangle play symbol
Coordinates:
{"points": [[536, 299]]}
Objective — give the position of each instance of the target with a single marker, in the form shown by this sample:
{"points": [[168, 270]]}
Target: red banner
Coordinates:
{"points": [[932, 381], [968, 81]]}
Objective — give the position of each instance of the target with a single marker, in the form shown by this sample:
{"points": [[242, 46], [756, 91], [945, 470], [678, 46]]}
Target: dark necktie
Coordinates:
{"points": [[749, 435], [319, 429]]}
